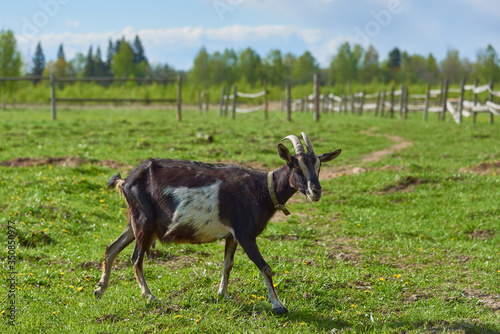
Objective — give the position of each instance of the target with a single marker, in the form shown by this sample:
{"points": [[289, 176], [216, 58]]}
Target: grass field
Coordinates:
{"points": [[404, 240]]}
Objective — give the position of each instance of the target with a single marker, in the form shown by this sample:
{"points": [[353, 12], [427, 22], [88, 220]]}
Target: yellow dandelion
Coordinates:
{"points": [[178, 316], [382, 279], [31, 274], [254, 296], [79, 288], [101, 200], [71, 286], [353, 305], [54, 313], [339, 312], [229, 318]]}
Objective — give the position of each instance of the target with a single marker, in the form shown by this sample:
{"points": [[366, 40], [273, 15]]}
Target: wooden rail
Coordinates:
{"points": [[225, 97], [54, 99]]}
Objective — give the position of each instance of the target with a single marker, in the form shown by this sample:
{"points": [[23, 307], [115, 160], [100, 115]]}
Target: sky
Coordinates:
{"points": [[173, 32]]}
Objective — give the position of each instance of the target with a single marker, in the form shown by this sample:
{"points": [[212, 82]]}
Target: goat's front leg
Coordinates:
{"points": [[250, 247], [230, 249], [110, 254]]}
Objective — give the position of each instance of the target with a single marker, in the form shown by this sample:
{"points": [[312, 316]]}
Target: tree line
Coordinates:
{"points": [[351, 63]]}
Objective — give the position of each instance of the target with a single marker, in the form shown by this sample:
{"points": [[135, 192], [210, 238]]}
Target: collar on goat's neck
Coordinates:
{"points": [[270, 186]]}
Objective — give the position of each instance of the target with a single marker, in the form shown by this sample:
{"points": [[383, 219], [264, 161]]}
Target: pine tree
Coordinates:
{"points": [[38, 62], [109, 57], [60, 52], [99, 65], [61, 64], [89, 70], [139, 54]]}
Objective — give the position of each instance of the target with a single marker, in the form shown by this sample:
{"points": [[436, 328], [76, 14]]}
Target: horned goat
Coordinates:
{"points": [[181, 201]]}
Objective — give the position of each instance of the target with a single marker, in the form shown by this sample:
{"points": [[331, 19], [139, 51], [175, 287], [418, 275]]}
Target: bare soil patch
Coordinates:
{"points": [[407, 184], [482, 234], [68, 161], [483, 168], [399, 144]]}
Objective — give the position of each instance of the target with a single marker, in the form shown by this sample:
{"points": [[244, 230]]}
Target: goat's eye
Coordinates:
{"points": [[297, 168]]}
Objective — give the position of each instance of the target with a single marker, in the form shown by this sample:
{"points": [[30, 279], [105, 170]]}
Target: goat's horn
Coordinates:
{"points": [[308, 143], [297, 145]]}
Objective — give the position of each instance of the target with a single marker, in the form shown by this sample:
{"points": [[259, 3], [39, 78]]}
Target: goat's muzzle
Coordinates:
{"points": [[313, 192]]}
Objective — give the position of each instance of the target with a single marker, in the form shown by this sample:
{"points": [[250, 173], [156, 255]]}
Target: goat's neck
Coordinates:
{"points": [[282, 184]]}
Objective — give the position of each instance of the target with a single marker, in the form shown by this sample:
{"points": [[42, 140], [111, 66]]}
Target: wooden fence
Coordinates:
{"points": [[225, 97], [387, 103], [54, 99]]}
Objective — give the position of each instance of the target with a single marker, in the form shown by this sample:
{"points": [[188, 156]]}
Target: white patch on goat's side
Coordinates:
{"points": [[198, 208]]}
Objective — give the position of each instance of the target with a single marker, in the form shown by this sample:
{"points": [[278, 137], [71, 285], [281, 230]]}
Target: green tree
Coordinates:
{"points": [[370, 67], [123, 61], [200, 72], [289, 61], [250, 66], [61, 65], [10, 59], [304, 69], [99, 64], [139, 54], [77, 65], [394, 64], [89, 70], [345, 64], [451, 67], [38, 62], [488, 65], [432, 70], [274, 67], [110, 53]]}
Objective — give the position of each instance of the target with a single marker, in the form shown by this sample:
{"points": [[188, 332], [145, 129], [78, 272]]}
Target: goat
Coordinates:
{"points": [[192, 202]]}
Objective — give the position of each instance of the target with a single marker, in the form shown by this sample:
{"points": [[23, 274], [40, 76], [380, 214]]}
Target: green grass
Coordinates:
{"points": [[408, 248]]}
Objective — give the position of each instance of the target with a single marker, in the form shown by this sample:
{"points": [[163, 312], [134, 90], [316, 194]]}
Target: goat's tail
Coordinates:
{"points": [[116, 182]]}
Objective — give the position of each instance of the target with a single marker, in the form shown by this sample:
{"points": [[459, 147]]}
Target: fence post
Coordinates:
{"points": [[401, 101], [207, 101], [316, 96], [200, 102], [383, 104], [444, 97], [377, 104], [405, 104], [475, 102], [265, 100], [461, 101], [427, 100], [491, 100], [226, 107], [53, 96], [361, 103], [288, 103], [179, 98], [221, 101], [351, 99], [233, 111], [391, 109]]}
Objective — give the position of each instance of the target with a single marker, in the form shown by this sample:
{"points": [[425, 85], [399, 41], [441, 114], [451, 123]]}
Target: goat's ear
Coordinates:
{"points": [[284, 154], [329, 156]]}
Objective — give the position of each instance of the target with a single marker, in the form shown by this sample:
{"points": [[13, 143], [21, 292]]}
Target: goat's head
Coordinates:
{"points": [[305, 167]]}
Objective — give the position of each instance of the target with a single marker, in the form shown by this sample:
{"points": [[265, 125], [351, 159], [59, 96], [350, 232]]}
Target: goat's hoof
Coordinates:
{"points": [[280, 310], [98, 293], [151, 299]]}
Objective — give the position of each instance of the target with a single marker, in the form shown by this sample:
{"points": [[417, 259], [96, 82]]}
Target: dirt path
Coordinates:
{"points": [[375, 156]]}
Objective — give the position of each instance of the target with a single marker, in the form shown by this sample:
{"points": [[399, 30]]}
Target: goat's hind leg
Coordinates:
{"points": [[229, 251], [110, 255], [143, 243]]}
